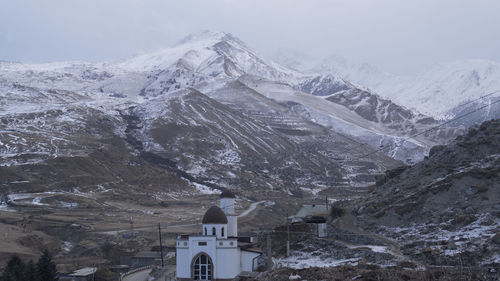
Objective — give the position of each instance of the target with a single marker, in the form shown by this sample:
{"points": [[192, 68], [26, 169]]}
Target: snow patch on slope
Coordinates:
{"points": [[300, 260]]}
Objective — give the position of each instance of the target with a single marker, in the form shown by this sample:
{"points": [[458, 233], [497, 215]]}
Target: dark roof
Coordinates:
{"points": [[147, 255], [249, 247], [253, 250], [227, 194], [214, 215]]}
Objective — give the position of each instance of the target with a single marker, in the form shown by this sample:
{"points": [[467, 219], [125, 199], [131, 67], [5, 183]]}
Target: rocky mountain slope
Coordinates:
{"points": [[373, 108], [445, 208], [341, 119], [195, 138], [84, 127], [339, 81], [209, 111], [131, 98], [439, 91], [208, 60], [203, 59]]}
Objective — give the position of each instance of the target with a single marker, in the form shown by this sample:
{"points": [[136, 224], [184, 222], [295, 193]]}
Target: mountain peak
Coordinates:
{"points": [[192, 49], [208, 36], [209, 55]]}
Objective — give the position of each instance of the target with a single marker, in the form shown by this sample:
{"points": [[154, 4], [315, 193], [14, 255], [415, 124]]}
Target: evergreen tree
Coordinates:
{"points": [[30, 271], [46, 268], [14, 270]]}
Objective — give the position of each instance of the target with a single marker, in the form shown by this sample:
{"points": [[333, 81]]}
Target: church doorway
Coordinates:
{"points": [[202, 268]]}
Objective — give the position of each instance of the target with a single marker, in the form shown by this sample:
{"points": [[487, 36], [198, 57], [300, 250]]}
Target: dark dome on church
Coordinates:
{"points": [[214, 215], [227, 194]]}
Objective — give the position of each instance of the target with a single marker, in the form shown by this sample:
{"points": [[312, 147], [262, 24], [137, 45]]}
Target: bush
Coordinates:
{"points": [[46, 268], [336, 212], [30, 271], [104, 274], [14, 270]]}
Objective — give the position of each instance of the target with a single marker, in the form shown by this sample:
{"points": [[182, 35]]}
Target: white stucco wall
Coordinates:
{"points": [[232, 226], [208, 249], [227, 206], [246, 260], [186, 255], [228, 262], [227, 258], [182, 255]]}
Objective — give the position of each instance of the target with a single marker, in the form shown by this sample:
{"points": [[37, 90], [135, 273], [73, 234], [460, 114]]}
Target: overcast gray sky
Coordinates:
{"points": [[395, 35]]}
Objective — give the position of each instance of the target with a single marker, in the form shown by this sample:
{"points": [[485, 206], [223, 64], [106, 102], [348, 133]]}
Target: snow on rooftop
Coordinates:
{"points": [[312, 210]]}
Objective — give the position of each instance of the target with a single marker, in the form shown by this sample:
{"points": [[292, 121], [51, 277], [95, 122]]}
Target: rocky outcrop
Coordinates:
{"points": [[450, 197]]}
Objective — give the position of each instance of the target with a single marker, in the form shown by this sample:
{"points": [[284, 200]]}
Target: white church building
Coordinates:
{"points": [[218, 253]]}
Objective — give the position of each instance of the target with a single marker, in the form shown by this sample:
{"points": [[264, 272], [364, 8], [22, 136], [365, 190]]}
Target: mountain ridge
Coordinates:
{"points": [[206, 63], [438, 91]]}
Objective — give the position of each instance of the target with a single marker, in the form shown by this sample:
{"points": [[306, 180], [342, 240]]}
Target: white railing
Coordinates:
{"points": [[135, 271]]}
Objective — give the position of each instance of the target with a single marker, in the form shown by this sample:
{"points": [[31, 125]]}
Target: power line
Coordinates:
{"points": [[425, 131], [479, 98]]}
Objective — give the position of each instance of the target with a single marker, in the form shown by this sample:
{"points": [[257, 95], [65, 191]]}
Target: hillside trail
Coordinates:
{"points": [[250, 209], [346, 222]]}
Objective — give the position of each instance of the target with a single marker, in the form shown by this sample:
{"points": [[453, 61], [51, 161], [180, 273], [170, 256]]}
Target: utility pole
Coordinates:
{"points": [[161, 246], [288, 236], [326, 202], [269, 252], [131, 228]]}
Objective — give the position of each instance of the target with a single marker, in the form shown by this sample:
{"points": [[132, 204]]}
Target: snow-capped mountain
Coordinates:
{"points": [[341, 119], [209, 59], [362, 101], [360, 73], [440, 91], [182, 110], [203, 58], [209, 111], [382, 112], [295, 60]]}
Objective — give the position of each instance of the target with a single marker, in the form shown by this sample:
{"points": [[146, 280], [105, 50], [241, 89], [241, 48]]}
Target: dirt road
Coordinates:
{"points": [[250, 209], [347, 222], [142, 275]]}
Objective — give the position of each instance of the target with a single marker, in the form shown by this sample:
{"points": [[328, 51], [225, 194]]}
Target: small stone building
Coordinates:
{"points": [[145, 258]]}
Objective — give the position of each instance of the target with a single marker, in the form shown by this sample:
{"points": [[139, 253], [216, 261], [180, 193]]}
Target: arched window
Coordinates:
{"points": [[222, 232], [202, 268], [213, 231], [206, 231]]}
